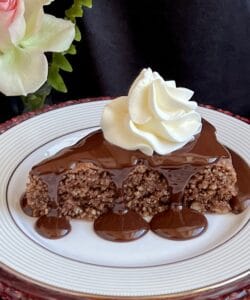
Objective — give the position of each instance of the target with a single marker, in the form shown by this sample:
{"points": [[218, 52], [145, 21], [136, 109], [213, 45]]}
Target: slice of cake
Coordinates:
{"points": [[153, 151], [82, 185]]}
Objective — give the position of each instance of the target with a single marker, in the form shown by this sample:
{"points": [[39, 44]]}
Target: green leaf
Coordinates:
{"points": [[33, 101], [71, 50], [70, 18], [74, 11], [56, 80], [87, 3], [37, 99], [78, 35], [61, 61]]}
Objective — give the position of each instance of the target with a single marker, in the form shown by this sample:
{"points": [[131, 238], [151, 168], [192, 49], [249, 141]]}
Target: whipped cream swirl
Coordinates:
{"points": [[156, 116]]}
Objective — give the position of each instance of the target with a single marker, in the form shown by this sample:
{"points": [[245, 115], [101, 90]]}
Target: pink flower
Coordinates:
{"points": [[12, 23], [26, 32]]}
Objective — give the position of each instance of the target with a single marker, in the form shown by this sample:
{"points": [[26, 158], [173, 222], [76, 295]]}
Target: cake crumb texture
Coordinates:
{"points": [[88, 191], [212, 188]]}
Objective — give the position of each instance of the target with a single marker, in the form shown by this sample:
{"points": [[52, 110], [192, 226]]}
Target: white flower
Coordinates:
{"points": [[26, 32]]}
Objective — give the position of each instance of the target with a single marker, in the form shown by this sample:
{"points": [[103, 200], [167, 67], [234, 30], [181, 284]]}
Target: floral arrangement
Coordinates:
{"points": [[34, 46]]}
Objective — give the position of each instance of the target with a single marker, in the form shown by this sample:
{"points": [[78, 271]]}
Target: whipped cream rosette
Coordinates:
{"points": [[156, 116]]}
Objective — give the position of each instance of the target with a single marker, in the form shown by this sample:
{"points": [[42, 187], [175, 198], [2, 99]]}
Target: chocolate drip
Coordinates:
{"points": [[52, 182], [52, 226], [179, 223], [121, 227], [242, 169], [25, 207]]}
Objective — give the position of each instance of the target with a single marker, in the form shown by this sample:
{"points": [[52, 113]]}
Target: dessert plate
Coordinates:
{"points": [[83, 264]]}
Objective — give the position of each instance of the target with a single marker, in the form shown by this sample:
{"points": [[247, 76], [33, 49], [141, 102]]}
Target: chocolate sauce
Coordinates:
{"points": [[53, 227], [50, 226], [25, 207], [242, 169], [121, 227], [178, 223], [177, 167]]}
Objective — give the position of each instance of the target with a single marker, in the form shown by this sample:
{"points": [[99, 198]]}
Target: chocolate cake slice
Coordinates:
{"points": [[85, 180]]}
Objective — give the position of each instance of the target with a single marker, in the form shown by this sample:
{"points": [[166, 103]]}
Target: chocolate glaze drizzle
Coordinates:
{"points": [[24, 205], [242, 169], [53, 227], [179, 223], [177, 167], [121, 227], [121, 224]]}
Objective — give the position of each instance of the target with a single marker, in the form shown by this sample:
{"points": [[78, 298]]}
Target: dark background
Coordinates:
{"points": [[204, 45]]}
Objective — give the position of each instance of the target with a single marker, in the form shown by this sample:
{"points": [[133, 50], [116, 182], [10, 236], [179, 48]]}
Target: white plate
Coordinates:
{"points": [[82, 262]]}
